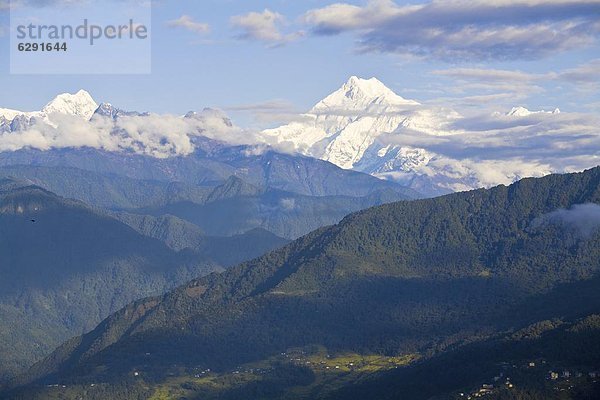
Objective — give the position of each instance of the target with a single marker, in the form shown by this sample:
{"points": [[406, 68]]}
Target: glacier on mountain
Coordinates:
{"points": [[367, 127], [342, 127], [345, 127], [80, 104]]}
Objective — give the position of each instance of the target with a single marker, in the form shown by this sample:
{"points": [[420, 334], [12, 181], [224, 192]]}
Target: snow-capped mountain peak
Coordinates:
{"points": [[9, 114], [524, 112], [344, 128], [358, 93], [80, 104]]}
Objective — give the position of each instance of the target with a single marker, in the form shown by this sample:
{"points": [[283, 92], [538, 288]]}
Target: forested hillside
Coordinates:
{"points": [[65, 267], [411, 278]]}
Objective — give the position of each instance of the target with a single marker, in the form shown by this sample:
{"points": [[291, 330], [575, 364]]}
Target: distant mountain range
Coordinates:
{"points": [[218, 206], [100, 207], [408, 280], [363, 126], [66, 266], [287, 195]]}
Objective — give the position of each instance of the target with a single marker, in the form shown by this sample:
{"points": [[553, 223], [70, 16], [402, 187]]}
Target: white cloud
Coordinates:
{"points": [[271, 111], [584, 219], [264, 26], [266, 106], [485, 74], [288, 204], [6, 4], [340, 17], [154, 135], [504, 87], [584, 73], [188, 23], [464, 30], [491, 149]]}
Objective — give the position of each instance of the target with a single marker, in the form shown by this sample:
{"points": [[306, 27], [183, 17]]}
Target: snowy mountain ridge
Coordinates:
{"points": [[367, 127], [524, 112], [344, 125], [80, 104], [76, 121], [363, 126], [360, 94]]}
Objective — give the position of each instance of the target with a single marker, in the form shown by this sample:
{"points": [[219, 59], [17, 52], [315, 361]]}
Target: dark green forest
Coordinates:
{"points": [[454, 279]]}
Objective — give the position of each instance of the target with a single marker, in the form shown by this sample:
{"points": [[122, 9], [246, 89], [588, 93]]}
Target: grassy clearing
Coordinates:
{"points": [[328, 372]]}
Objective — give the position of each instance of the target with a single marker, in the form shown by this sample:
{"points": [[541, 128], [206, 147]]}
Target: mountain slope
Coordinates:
{"points": [[249, 245], [107, 190], [285, 214], [211, 165], [224, 250], [514, 366], [231, 207], [64, 267], [404, 278]]}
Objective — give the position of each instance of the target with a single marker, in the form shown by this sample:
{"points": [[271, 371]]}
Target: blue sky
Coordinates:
{"points": [[263, 60]]}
